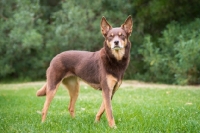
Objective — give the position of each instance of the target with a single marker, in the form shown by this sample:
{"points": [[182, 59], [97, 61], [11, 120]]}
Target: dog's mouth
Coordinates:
{"points": [[116, 48]]}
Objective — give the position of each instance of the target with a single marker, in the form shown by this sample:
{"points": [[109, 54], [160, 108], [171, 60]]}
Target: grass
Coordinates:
{"points": [[148, 108]]}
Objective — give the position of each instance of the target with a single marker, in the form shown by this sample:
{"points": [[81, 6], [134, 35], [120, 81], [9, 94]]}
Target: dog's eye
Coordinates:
{"points": [[122, 35], [111, 36]]}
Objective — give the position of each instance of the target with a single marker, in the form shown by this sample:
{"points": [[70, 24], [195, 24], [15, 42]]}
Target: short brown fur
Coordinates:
{"points": [[103, 70]]}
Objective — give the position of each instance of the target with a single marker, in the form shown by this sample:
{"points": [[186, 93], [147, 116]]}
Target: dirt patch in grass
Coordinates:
{"points": [[140, 84], [28, 85], [125, 84]]}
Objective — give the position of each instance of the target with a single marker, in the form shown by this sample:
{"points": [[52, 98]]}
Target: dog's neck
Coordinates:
{"points": [[117, 55], [111, 62]]}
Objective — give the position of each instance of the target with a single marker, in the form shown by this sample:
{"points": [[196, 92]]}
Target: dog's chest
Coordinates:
{"points": [[118, 54]]}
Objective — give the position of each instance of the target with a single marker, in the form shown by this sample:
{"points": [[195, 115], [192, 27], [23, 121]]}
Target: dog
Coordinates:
{"points": [[102, 70]]}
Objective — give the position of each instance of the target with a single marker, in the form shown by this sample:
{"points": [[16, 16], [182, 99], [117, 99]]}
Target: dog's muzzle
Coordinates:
{"points": [[116, 45]]}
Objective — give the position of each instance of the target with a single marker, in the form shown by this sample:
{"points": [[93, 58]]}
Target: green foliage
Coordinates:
{"points": [[20, 41], [73, 25], [175, 57], [33, 32], [153, 15]]}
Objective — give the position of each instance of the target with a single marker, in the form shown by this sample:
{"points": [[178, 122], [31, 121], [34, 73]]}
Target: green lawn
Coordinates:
{"points": [[145, 108]]}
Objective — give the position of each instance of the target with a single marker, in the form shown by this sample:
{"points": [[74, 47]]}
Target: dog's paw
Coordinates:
{"points": [[96, 121], [114, 127]]}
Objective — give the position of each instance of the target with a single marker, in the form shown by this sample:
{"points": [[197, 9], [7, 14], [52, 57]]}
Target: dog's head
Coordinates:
{"points": [[116, 38]]}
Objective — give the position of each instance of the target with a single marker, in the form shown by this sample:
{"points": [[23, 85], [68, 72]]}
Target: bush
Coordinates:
{"points": [[174, 58], [20, 41], [32, 33]]}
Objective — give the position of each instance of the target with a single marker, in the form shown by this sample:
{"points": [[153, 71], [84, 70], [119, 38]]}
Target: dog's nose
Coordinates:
{"points": [[116, 42]]}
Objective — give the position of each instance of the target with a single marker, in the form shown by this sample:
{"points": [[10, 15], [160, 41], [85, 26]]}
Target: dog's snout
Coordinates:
{"points": [[116, 42]]}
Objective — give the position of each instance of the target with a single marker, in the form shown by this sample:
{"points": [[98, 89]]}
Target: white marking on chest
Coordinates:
{"points": [[118, 53]]}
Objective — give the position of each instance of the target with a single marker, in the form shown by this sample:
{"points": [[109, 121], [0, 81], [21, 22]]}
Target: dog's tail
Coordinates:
{"points": [[42, 91]]}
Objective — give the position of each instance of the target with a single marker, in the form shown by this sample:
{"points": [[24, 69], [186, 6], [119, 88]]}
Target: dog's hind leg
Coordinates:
{"points": [[42, 91], [50, 92], [72, 84]]}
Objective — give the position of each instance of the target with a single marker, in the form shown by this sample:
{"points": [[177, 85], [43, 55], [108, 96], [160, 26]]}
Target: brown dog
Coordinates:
{"points": [[103, 70]]}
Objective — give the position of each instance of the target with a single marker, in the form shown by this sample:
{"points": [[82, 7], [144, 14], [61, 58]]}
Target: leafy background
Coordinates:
{"points": [[165, 39]]}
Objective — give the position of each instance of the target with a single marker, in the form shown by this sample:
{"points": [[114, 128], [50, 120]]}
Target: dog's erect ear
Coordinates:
{"points": [[127, 25], [105, 26]]}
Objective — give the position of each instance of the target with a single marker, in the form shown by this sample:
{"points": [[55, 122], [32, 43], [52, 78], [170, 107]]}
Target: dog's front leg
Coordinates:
{"points": [[100, 112], [102, 109], [108, 89], [108, 106]]}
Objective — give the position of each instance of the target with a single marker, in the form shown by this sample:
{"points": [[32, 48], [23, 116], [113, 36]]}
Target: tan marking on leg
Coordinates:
{"points": [[111, 81], [113, 86], [108, 108], [102, 107], [72, 84], [49, 96], [116, 88], [100, 112], [42, 91]]}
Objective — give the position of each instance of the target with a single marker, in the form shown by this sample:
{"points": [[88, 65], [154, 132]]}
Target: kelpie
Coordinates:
{"points": [[103, 69]]}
